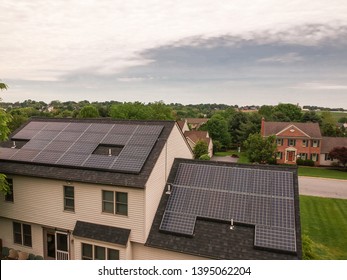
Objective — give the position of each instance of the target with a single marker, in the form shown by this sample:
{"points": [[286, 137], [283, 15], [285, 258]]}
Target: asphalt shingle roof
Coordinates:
{"points": [[102, 233], [329, 143], [312, 129]]}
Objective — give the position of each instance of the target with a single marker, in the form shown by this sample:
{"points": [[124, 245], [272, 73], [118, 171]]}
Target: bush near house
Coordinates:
{"points": [[305, 162]]}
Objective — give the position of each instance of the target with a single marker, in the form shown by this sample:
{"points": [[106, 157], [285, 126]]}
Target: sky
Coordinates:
{"points": [[240, 52]]}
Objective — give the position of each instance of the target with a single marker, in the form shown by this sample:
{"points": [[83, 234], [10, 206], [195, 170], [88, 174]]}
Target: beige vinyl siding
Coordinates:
{"points": [[40, 201], [6, 234], [141, 252], [176, 146], [78, 247]]}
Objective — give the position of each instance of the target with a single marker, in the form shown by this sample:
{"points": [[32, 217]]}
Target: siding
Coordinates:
{"points": [[78, 247], [141, 252], [176, 147], [6, 234], [40, 201]]}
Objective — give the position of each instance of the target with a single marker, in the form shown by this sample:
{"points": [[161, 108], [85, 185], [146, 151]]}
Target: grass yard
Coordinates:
{"points": [[324, 220], [322, 172], [336, 115], [242, 156]]}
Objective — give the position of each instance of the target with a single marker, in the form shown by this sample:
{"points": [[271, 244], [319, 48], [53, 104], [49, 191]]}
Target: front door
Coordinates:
{"points": [[291, 156]]}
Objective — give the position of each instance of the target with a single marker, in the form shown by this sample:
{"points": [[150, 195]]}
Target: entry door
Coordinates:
{"points": [[291, 156], [62, 245]]}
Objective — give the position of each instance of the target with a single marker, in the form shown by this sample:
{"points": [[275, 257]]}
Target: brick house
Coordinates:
{"points": [[294, 140]]}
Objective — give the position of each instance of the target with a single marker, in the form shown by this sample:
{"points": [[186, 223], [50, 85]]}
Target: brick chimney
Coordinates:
{"points": [[262, 131]]}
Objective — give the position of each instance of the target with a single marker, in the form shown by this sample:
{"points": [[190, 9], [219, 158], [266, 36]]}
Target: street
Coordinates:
{"points": [[323, 187]]}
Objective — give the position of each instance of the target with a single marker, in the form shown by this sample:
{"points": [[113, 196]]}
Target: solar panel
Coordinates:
{"points": [[128, 164], [58, 126], [35, 125], [27, 155], [99, 161], [80, 147], [25, 134], [102, 128], [246, 195], [135, 151], [143, 140], [91, 137], [68, 136], [123, 129], [178, 223], [275, 238], [36, 144], [46, 135], [77, 127], [114, 139], [7, 153], [47, 157], [149, 129], [72, 159], [58, 146]]}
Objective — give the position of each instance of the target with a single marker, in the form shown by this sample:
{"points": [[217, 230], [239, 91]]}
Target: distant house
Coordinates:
{"points": [[183, 125], [194, 136], [195, 123], [294, 140], [221, 210], [329, 143]]}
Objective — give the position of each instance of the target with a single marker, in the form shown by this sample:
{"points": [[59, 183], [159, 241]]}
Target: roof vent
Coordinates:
{"points": [[232, 224], [109, 152], [13, 145], [168, 189]]}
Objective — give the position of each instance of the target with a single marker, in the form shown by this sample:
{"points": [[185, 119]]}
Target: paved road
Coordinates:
{"points": [[226, 159], [323, 187]]}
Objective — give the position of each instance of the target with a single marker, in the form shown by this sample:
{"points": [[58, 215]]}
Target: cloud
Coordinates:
{"points": [[286, 58], [320, 86]]}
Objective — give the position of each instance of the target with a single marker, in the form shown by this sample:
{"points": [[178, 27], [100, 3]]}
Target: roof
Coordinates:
{"points": [[67, 158], [266, 219], [329, 143], [102, 233], [311, 129], [195, 136], [197, 120], [181, 124]]}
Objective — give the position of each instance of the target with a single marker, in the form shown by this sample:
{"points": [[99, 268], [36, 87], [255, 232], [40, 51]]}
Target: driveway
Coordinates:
{"points": [[225, 159], [323, 187]]}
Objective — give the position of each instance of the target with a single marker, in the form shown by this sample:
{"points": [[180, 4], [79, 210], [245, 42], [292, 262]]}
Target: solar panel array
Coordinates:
{"points": [[259, 197], [73, 144]]}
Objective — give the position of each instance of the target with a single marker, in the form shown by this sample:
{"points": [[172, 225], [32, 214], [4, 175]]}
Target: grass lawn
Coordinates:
{"points": [[242, 155], [324, 220], [322, 172], [336, 115]]}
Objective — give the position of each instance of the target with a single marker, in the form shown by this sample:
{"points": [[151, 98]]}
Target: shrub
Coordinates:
{"points": [[308, 162], [205, 157], [235, 156], [300, 161], [272, 161]]}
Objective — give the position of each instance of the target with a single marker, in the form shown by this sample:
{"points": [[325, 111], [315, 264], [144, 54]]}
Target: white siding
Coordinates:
{"points": [[40, 201], [141, 252], [78, 247], [6, 234], [176, 146]]}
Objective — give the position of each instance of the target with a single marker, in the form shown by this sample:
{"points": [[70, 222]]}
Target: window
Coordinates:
{"points": [[305, 143], [303, 156], [327, 157], [279, 155], [279, 141], [291, 142], [115, 202], [93, 252], [69, 198], [314, 157], [22, 234], [315, 143], [9, 196]]}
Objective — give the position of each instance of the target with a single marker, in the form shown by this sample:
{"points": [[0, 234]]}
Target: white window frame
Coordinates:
{"points": [[93, 257]]}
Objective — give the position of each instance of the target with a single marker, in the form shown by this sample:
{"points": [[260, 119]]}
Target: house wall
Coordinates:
{"points": [[210, 149], [40, 201], [324, 162], [176, 146], [141, 252], [6, 234], [123, 250], [299, 148]]}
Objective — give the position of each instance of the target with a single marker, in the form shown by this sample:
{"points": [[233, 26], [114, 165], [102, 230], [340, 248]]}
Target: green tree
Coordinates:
{"points": [[88, 111], [260, 149], [342, 120], [201, 148], [4, 131], [328, 125], [266, 112], [286, 112], [160, 111], [217, 128], [339, 153], [311, 116], [131, 111]]}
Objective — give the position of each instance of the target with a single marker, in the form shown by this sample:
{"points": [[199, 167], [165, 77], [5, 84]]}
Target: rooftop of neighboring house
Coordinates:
{"points": [[196, 122], [181, 124], [196, 135], [291, 129], [111, 152], [329, 143], [225, 210]]}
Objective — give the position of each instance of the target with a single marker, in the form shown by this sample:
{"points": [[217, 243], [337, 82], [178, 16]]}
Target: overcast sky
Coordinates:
{"points": [[194, 51]]}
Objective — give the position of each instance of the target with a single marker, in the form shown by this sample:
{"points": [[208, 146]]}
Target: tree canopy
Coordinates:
{"points": [[260, 149], [217, 128], [201, 148], [88, 111], [339, 153]]}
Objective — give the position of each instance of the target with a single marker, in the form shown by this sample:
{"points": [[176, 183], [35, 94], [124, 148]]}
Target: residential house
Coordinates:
{"points": [[195, 123], [194, 136], [105, 189], [86, 189], [329, 143], [220, 210], [294, 140]]}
